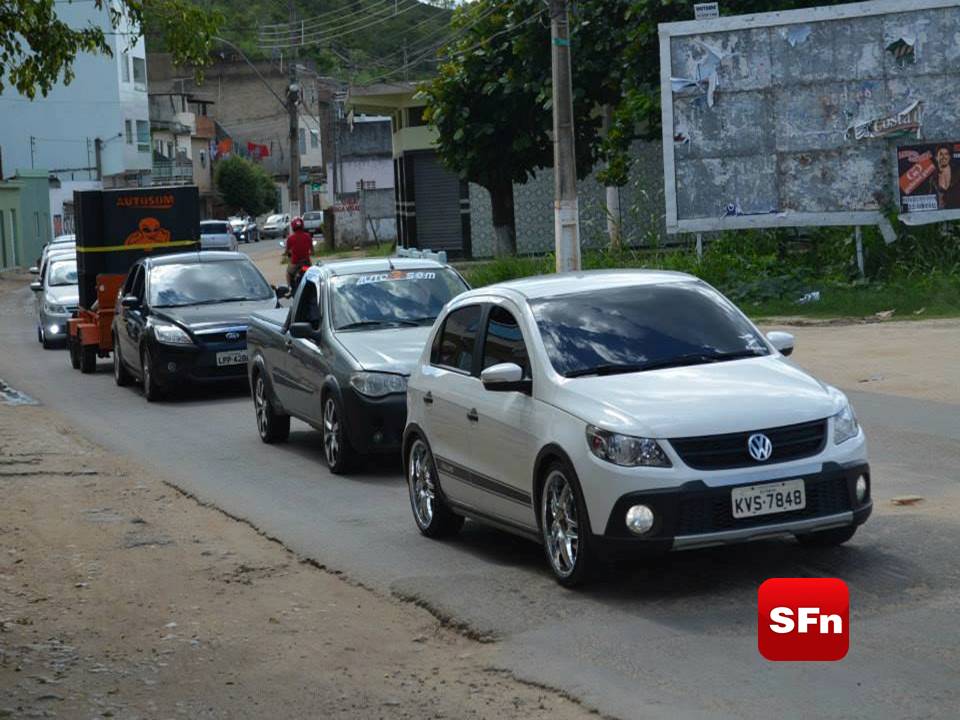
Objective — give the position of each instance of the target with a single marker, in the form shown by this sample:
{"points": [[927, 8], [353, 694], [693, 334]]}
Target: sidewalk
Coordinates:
{"points": [[121, 598]]}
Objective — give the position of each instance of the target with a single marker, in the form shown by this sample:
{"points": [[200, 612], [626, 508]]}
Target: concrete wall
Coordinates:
{"points": [[33, 214], [641, 203], [9, 225], [64, 194], [66, 121]]}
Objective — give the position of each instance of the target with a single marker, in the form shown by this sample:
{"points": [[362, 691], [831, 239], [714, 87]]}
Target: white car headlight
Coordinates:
{"points": [[53, 308], [845, 425], [626, 450], [377, 384], [171, 334]]}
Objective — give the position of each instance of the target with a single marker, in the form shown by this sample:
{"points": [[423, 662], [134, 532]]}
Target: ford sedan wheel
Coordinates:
{"points": [[564, 527], [431, 513], [336, 448]]}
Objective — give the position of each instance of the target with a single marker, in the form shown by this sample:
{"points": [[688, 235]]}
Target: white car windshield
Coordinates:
{"points": [[392, 297], [275, 219], [206, 283], [642, 327], [62, 273]]}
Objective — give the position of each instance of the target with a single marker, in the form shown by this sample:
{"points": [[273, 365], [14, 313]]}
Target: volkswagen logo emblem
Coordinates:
{"points": [[232, 336], [759, 447]]}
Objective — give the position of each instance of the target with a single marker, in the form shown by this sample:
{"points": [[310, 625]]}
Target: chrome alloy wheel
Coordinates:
{"points": [[421, 483], [561, 527], [259, 404], [331, 432]]}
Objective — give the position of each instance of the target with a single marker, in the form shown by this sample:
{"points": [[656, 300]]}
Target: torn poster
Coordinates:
{"points": [[796, 34], [929, 177], [904, 50], [905, 122], [706, 80]]}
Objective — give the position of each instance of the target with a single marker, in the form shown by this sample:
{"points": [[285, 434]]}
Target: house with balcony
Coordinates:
{"points": [[96, 130], [181, 135]]}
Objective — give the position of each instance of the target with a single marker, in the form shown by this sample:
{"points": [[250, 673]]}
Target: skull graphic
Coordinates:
{"points": [[148, 232]]}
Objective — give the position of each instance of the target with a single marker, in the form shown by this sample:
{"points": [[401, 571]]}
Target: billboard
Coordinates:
{"points": [[799, 117]]}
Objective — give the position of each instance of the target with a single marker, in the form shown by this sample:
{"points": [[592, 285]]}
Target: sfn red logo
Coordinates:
{"points": [[803, 619]]}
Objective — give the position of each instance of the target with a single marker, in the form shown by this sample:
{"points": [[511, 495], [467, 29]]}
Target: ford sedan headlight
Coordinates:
{"points": [[377, 384], [171, 334], [845, 425], [626, 450]]}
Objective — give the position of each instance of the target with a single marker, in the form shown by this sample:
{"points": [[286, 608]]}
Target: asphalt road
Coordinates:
{"points": [[676, 638]]}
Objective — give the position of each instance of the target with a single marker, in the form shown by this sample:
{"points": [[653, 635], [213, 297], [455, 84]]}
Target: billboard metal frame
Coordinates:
{"points": [[668, 31]]}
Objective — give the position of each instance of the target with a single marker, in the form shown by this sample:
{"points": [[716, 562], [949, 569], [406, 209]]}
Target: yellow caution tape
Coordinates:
{"points": [[142, 246]]}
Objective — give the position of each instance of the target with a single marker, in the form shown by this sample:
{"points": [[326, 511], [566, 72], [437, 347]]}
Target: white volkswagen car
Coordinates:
{"points": [[625, 410]]}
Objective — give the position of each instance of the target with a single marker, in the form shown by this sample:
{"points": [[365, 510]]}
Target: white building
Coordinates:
{"points": [[95, 128]]}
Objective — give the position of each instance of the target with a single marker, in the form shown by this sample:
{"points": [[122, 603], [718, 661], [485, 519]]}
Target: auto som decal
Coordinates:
{"points": [[396, 275]]}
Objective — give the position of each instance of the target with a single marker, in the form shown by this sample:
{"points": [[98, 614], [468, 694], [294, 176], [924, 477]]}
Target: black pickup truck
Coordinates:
{"points": [[339, 358]]}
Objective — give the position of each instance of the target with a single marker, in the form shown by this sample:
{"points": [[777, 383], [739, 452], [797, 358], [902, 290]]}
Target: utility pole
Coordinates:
{"points": [[33, 146], [566, 212], [293, 97], [98, 156]]}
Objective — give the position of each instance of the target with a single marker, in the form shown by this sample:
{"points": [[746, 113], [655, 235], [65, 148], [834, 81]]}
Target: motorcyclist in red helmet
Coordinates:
{"points": [[299, 249]]}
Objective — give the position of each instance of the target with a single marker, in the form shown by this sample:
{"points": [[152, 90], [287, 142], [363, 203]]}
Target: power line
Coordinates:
{"points": [[320, 37], [309, 23]]}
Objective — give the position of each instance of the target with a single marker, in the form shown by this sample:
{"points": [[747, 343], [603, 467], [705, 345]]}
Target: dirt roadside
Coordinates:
{"points": [[121, 598]]}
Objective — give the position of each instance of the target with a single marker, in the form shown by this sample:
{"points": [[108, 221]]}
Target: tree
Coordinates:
{"points": [[37, 48], [491, 100], [244, 185]]}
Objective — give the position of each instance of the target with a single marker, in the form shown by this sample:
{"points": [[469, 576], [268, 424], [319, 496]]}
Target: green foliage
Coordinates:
{"points": [[767, 272], [246, 186], [37, 49]]}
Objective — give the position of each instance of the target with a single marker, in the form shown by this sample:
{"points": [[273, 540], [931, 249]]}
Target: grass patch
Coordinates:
{"points": [[767, 272]]}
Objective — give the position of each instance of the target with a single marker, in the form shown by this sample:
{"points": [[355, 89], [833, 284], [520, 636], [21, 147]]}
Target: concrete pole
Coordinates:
{"points": [[293, 97], [566, 212], [859, 238], [613, 194]]}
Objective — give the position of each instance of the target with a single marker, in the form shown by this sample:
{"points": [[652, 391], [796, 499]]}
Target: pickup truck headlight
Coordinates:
{"points": [[171, 334], [626, 450], [53, 308], [377, 384], [845, 425]]}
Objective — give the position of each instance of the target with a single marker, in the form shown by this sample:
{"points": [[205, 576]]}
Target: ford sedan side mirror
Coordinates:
{"points": [[782, 341], [505, 377], [130, 302], [36, 286]]}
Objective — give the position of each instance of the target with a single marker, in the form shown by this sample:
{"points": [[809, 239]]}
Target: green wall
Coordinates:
{"points": [[9, 224]]}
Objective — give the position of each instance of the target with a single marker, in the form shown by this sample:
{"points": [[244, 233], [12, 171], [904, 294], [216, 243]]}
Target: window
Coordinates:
{"points": [[457, 339], [125, 66], [504, 341], [416, 116], [642, 327], [308, 309], [366, 184], [140, 73], [303, 141], [128, 283], [128, 124], [314, 139], [203, 159], [143, 136], [136, 288], [169, 149]]}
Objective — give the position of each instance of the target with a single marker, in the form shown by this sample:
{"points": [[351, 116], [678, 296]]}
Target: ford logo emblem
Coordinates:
{"points": [[232, 336], [759, 447]]}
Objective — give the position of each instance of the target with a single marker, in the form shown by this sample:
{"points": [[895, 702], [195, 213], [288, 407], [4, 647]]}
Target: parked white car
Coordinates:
{"points": [[217, 235], [313, 222], [625, 411], [277, 226]]}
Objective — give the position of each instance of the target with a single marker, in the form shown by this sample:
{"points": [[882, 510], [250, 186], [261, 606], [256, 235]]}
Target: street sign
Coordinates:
{"points": [[706, 11]]}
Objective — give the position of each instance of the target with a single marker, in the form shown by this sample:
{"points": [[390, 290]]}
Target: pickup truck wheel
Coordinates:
{"points": [[274, 427], [88, 359], [434, 518], [336, 448], [121, 375], [151, 391], [74, 352]]}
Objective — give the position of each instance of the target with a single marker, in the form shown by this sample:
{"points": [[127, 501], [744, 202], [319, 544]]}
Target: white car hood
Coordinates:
{"points": [[62, 295], [710, 399], [387, 350]]}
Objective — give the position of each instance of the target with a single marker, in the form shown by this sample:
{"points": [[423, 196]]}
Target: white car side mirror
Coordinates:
{"points": [[34, 270], [782, 341], [505, 377]]}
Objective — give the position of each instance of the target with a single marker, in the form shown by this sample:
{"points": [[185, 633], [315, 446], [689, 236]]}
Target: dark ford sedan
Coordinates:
{"points": [[183, 318]]}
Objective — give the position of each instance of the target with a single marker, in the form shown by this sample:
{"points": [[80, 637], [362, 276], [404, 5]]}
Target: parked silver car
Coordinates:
{"points": [[57, 298], [277, 226], [217, 235]]}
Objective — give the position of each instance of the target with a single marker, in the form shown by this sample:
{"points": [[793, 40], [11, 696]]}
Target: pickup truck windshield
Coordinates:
{"points": [[207, 283], [642, 327], [395, 297]]}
